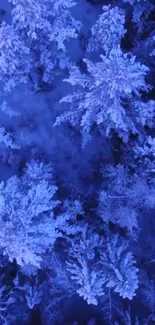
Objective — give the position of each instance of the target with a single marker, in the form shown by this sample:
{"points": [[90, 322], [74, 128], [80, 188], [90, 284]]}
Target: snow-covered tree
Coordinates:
{"points": [[37, 171], [116, 209], [145, 113], [14, 59], [144, 153], [124, 197], [102, 92], [49, 17], [82, 267], [90, 282], [30, 17], [46, 27], [96, 264], [119, 267], [108, 30], [28, 224]]}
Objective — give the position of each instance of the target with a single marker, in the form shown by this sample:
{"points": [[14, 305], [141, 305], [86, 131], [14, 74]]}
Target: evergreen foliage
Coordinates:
{"points": [[77, 162]]}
